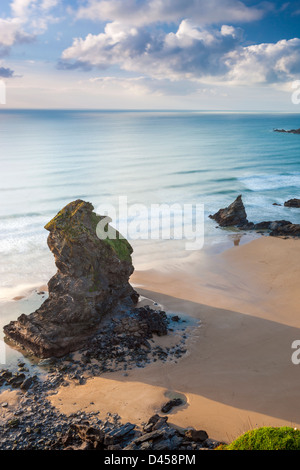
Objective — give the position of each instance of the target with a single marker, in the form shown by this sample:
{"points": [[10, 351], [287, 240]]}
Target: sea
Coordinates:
{"points": [[198, 160]]}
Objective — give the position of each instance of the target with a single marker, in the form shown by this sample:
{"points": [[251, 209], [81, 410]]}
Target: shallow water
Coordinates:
{"points": [[49, 158]]}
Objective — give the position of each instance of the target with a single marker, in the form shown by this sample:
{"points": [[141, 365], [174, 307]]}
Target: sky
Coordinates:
{"points": [[215, 55]]}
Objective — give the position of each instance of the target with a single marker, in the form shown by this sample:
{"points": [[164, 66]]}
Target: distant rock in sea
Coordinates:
{"points": [[292, 203], [91, 281], [292, 131], [233, 215]]}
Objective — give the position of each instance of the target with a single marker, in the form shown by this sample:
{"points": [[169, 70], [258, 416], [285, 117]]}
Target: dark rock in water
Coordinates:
{"points": [[287, 230], [170, 404], [233, 215], [270, 225], [276, 228], [262, 225], [91, 281], [292, 203], [5, 374], [27, 383], [175, 318], [16, 380], [292, 131]]}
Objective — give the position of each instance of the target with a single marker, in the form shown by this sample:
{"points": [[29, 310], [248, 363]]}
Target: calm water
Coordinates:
{"points": [[49, 158]]}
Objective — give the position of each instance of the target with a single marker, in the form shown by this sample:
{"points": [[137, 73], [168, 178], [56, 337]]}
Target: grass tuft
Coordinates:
{"points": [[267, 438]]}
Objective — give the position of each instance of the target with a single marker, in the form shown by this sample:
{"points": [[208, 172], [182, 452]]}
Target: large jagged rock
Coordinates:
{"points": [[91, 281], [233, 215]]}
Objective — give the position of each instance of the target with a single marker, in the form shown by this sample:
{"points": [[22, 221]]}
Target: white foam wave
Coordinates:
{"points": [[22, 234], [271, 181]]}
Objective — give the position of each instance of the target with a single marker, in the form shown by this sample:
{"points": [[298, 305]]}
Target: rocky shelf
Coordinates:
{"points": [[124, 343], [34, 424], [291, 131], [235, 216]]}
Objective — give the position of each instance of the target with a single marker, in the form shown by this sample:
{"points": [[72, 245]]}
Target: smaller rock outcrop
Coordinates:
{"points": [[233, 215], [157, 435], [270, 225], [292, 203], [287, 230], [291, 131], [170, 405]]}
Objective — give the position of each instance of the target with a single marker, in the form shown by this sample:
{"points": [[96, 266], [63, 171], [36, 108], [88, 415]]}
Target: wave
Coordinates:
{"points": [[271, 181], [22, 234]]}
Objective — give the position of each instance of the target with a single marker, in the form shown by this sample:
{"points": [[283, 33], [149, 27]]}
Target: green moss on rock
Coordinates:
{"points": [[121, 247], [78, 218]]}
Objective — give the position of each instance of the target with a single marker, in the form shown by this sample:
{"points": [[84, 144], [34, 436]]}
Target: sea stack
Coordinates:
{"points": [[233, 215], [92, 280]]}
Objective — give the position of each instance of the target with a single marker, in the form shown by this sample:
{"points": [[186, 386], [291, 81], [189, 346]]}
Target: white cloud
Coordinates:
{"points": [[228, 30], [39, 86], [265, 63], [192, 52], [48, 4], [117, 85], [11, 32], [142, 86], [21, 8], [118, 44], [28, 19], [141, 12]]}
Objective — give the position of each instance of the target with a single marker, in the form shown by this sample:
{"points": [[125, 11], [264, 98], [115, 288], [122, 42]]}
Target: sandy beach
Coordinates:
{"points": [[237, 373]]}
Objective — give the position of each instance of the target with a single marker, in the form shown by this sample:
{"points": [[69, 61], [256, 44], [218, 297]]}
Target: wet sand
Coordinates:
{"points": [[237, 373]]}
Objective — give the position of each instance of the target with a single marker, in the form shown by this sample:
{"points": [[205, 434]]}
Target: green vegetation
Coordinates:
{"points": [[77, 219], [267, 438], [121, 247]]}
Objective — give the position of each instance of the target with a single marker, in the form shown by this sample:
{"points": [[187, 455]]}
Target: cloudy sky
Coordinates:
{"points": [[150, 54]]}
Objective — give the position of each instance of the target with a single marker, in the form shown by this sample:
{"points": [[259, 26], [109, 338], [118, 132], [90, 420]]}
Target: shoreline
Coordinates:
{"points": [[237, 373]]}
